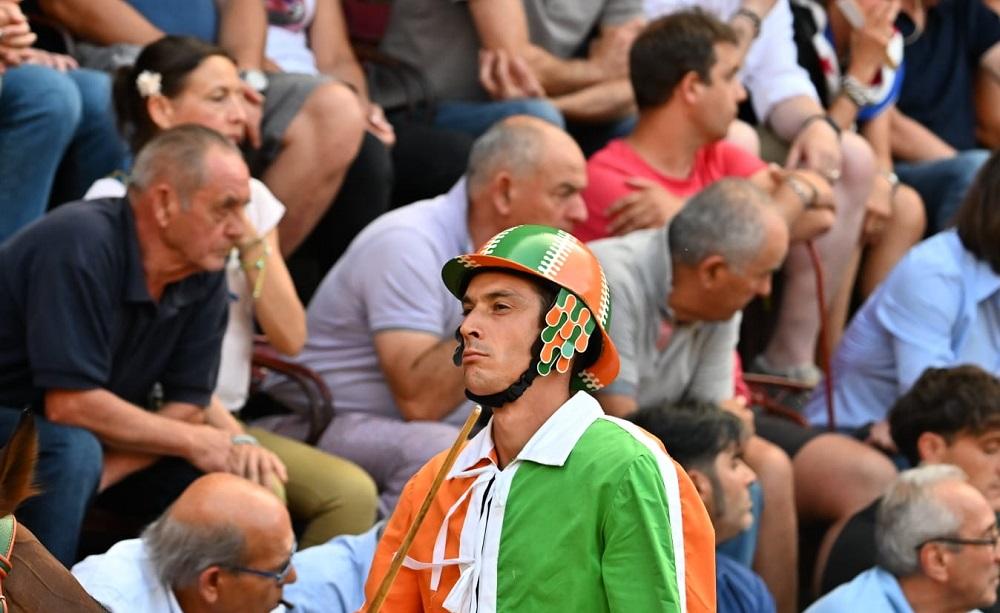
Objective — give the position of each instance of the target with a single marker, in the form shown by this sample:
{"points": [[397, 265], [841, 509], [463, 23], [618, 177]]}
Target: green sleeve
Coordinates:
{"points": [[638, 565]]}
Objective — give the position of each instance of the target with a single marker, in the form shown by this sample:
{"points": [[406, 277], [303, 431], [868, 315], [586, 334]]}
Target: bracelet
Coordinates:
{"points": [[245, 439], [753, 17], [798, 185], [260, 265], [249, 245], [820, 116]]}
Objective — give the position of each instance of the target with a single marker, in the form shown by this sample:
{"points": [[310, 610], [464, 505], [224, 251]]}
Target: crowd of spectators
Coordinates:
{"points": [[783, 194]]}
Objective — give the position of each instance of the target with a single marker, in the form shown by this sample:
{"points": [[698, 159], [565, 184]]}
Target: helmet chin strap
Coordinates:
{"points": [[514, 391]]}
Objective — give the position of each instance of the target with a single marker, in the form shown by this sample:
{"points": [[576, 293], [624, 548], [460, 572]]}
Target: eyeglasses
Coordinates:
{"points": [[278, 576], [993, 541]]}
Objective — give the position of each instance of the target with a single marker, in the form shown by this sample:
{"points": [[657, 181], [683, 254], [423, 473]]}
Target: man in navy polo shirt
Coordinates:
{"points": [[107, 304]]}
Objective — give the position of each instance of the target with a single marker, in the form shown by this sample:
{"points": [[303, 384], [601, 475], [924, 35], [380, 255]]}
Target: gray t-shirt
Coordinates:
{"points": [[662, 362], [439, 37], [388, 279]]}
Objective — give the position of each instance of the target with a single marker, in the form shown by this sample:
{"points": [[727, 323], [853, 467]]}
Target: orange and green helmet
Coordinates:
{"points": [[582, 305]]}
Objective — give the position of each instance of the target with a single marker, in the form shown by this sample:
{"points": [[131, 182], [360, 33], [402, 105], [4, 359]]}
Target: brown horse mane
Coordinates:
{"points": [[17, 465]]}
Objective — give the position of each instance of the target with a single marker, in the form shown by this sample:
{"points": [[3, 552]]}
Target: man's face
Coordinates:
{"points": [[244, 592], [721, 96], [731, 506], [502, 315], [973, 569], [736, 286], [204, 233], [979, 456], [550, 193]]}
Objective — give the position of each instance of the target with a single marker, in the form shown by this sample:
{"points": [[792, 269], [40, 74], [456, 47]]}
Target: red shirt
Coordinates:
{"points": [[609, 168]]}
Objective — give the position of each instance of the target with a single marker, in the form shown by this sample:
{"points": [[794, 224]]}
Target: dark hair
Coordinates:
{"points": [[693, 433], [978, 219], [173, 58], [671, 47], [945, 401]]}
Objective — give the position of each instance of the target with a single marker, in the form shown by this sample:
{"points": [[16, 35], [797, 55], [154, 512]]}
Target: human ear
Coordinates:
{"points": [[931, 447], [704, 486], [691, 87], [208, 584], [502, 188], [712, 271], [161, 111]]}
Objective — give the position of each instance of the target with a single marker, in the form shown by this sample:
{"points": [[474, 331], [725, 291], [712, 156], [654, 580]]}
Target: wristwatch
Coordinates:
{"points": [[255, 78], [856, 92]]}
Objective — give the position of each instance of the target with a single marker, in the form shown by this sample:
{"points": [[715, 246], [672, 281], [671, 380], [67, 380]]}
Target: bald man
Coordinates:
{"points": [[382, 326], [224, 546]]}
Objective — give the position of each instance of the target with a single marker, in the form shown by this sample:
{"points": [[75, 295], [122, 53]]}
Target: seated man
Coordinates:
{"points": [[112, 314], [381, 327], [552, 493], [226, 544], [937, 308], [936, 538], [304, 172], [950, 416], [535, 57], [708, 442], [676, 327]]}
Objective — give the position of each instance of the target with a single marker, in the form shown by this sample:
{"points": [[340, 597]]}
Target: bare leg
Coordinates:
{"points": [[776, 558], [745, 136], [318, 147], [794, 340], [905, 229]]}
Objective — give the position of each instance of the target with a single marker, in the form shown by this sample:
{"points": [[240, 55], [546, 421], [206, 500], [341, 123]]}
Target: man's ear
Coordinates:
{"points": [[160, 111], [208, 584], [690, 88], [500, 192], [712, 271], [162, 196], [933, 562], [704, 486], [931, 447]]}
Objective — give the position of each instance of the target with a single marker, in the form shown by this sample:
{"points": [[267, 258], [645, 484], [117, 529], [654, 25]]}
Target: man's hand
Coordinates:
{"points": [[878, 209], [649, 206], [816, 147], [211, 449], [507, 77], [58, 61], [256, 464], [880, 437], [253, 106], [610, 50], [379, 126], [15, 34], [738, 407], [816, 219]]}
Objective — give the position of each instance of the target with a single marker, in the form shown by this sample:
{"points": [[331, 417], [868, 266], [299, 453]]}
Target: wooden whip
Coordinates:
{"points": [[404, 547]]}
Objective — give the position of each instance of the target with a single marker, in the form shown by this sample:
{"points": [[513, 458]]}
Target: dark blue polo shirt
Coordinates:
{"points": [[938, 89], [75, 313]]}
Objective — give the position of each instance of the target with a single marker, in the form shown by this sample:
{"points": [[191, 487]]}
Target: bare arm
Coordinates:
{"points": [[988, 110], [602, 102], [278, 309], [912, 142], [418, 367], [330, 45], [122, 425], [617, 405], [501, 24], [243, 30], [104, 22]]}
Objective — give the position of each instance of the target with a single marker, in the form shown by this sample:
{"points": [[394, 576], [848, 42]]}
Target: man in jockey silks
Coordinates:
{"points": [[553, 506]]}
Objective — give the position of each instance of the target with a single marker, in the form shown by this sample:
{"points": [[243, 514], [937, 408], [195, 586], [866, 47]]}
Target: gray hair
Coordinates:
{"points": [[180, 551], [726, 218], [177, 154], [910, 514], [514, 144]]}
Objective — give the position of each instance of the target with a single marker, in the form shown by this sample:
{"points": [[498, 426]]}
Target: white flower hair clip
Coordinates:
{"points": [[148, 83]]}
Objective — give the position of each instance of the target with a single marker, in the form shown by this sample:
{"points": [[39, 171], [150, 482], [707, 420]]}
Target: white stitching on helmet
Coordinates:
{"points": [[557, 253]]}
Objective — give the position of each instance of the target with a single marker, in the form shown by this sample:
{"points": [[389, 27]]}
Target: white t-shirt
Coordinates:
{"points": [[287, 39], [264, 211]]}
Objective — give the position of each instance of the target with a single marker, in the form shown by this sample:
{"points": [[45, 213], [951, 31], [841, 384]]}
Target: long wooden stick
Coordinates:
{"points": [[404, 547]]}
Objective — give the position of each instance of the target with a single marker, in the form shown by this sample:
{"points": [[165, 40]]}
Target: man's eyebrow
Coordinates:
{"points": [[500, 293]]}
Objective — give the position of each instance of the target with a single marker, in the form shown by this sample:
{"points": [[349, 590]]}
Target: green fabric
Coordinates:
{"points": [[593, 534], [7, 528]]}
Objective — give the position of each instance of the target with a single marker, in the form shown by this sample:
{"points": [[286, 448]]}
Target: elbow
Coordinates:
{"points": [[291, 342], [415, 409]]}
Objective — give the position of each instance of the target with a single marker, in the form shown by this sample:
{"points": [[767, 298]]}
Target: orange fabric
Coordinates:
{"points": [[699, 547]]}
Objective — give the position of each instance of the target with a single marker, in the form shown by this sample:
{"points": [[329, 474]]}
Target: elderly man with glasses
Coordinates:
{"points": [[936, 537], [225, 545]]}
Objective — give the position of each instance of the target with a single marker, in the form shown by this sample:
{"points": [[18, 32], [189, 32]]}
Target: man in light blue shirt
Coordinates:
{"points": [[939, 307], [937, 542]]}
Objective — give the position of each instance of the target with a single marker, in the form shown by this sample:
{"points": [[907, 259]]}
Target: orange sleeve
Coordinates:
{"points": [[699, 547], [404, 596]]}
